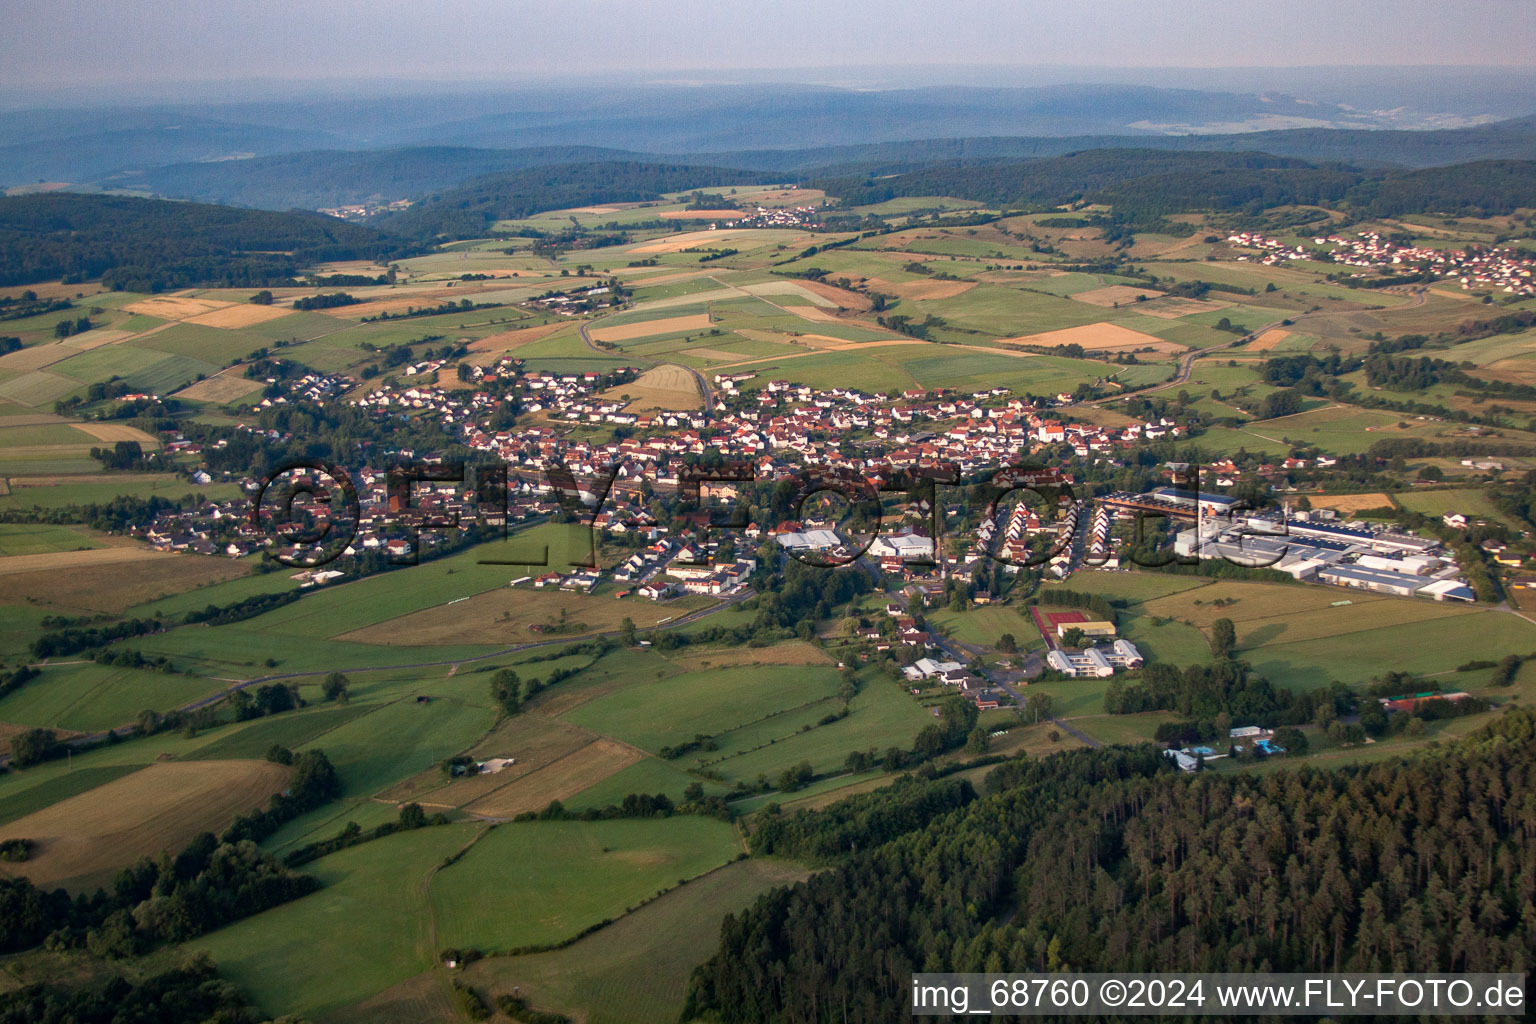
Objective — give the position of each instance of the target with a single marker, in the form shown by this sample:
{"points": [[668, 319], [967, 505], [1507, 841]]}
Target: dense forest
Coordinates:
{"points": [[150, 245], [1154, 182], [469, 210], [1108, 860]]}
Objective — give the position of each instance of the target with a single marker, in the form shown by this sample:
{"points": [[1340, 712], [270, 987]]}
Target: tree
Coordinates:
{"points": [[412, 816], [1007, 643], [1291, 740], [979, 742], [335, 687], [506, 691], [1223, 638], [797, 777], [33, 747], [262, 298], [627, 632], [1073, 637], [1039, 704]]}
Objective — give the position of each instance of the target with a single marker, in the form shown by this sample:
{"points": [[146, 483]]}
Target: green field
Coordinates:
{"points": [[41, 538], [637, 968], [1422, 647], [653, 713], [365, 931], [91, 697], [1469, 501], [102, 488], [539, 882]]}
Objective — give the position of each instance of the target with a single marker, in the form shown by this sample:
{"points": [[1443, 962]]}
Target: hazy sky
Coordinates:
{"points": [[68, 42]]}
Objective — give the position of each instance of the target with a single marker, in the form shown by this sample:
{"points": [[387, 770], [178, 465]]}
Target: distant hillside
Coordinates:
{"points": [[328, 178], [470, 210], [1159, 182], [334, 177], [1506, 140], [153, 245]]}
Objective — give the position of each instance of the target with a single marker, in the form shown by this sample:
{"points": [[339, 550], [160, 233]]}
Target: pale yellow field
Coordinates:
{"points": [[97, 338], [665, 387], [242, 315], [1268, 340], [812, 313], [507, 341], [82, 841], [220, 388], [173, 307], [918, 290], [113, 432], [1350, 502], [667, 325], [36, 357], [687, 240], [1102, 337], [1123, 294], [561, 779]]}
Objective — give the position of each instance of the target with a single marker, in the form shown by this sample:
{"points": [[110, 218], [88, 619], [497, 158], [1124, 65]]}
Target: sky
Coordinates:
{"points": [[138, 43]]}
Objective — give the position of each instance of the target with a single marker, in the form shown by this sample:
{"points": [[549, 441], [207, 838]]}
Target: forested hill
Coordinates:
{"points": [[470, 210], [329, 178], [1108, 860], [152, 245], [1159, 181]]}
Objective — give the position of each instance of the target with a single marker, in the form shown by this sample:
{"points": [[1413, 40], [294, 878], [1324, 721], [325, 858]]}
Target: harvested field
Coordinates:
{"points": [[700, 214], [792, 653], [714, 355], [794, 288], [242, 315], [1268, 340], [841, 296], [666, 325], [114, 432], [1172, 307], [561, 779], [930, 289], [1103, 337], [664, 387], [36, 357], [96, 339], [67, 560], [220, 388], [172, 307], [507, 341], [506, 614], [1115, 294], [1350, 503], [112, 579], [812, 313], [84, 840], [691, 239]]}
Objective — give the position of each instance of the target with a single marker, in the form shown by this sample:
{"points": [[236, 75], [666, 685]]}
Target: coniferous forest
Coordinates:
{"points": [[1107, 860]]}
